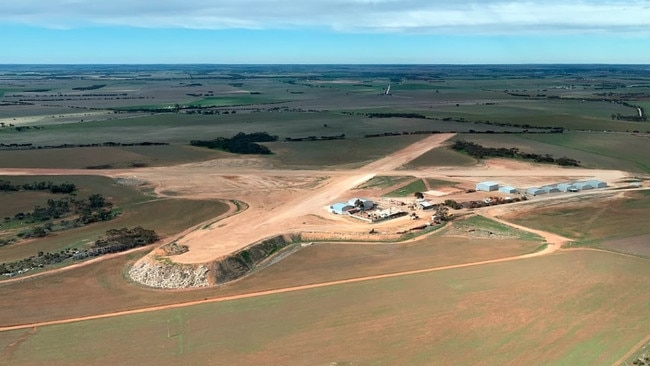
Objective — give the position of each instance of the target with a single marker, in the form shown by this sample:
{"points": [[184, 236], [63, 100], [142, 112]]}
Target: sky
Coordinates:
{"points": [[324, 31]]}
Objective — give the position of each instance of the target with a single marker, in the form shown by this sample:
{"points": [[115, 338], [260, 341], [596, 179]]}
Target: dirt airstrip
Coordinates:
{"points": [[285, 201]]}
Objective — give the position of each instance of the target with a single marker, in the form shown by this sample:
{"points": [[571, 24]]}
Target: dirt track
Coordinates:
{"points": [[271, 292], [283, 201]]}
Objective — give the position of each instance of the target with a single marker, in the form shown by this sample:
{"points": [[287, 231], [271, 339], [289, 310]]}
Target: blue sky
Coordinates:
{"points": [[324, 31]]}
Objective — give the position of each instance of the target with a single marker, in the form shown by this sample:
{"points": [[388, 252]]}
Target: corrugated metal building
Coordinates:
{"points": [[366, 204], [340, 208], [567, 187], [487, 186], [597, 183], [535, 191], [551, 189], [583, 186], [508, 189]]}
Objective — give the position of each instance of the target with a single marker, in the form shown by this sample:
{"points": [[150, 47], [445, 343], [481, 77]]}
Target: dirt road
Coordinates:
{"points": [[283, 201], [269, 292], [283, 209]]}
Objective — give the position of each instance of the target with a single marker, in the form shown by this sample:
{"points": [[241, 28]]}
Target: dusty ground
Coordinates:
{"points": [[282, 201]]}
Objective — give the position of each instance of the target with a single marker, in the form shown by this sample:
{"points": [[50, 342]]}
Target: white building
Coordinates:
{"points": [[487, 186]]}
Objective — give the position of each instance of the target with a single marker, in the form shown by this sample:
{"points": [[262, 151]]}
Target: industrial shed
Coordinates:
{"points": [[597, 183], [341, 208], [487, 186], [567, 187], [425, 205], [583, 186], [534, 191], [366, 204], [508, 189], [551, 189]]}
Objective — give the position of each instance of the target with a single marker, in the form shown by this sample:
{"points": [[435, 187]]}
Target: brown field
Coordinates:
{"points": [[590, 219], [112, 157], [14, 202], [105, 286], [554, 310], [637, 245]]}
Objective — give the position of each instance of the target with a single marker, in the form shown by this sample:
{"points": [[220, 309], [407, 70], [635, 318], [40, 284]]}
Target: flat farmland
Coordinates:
{"points": [[166, 216], [623, 151], [441, 156], [590, 219], [106, 157], [552, 310], [108, 290], [564, 284], [348, 153]]}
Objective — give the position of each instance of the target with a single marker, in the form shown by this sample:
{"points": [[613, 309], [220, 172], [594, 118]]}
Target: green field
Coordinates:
{"points": [[441, 156], [383, 181], [591, 220], [348, 153], [408, 190], [594, 150], [234, 101], [438, 183], [519, 312], [478, 222]]}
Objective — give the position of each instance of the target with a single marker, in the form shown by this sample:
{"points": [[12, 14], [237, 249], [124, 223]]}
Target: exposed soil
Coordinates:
{"points": [[285, 201]]}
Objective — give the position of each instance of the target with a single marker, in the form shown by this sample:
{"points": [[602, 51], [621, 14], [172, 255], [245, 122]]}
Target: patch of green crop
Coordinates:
{"points": [[383, 181], [408, 190]]}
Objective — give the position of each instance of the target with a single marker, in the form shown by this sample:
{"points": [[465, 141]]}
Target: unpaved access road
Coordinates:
{"points": [[270, 292], [284, 201]]}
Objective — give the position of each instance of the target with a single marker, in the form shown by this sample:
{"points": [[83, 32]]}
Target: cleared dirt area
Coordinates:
{"points": [[281, 201]]}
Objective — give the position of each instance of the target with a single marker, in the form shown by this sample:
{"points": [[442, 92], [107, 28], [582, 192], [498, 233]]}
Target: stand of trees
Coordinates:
{"points": [[93, 209], [480, 152], [115, 241], [66, 188], [241, 143]]}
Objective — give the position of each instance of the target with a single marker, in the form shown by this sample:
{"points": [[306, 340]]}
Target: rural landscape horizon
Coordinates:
{"points": [[335, 183], [324, 214]]}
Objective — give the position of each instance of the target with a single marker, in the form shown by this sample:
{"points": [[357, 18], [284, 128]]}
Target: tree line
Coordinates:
{"points": [[114, 241], [479, 152], [241, 143], [66, 188], [29, 146], [93, 209]]}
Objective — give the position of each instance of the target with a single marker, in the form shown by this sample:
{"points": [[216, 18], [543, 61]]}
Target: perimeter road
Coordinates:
{"points": [[274, 292]]}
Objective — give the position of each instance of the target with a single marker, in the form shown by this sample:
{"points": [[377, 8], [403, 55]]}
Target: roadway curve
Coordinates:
{"points": [[270, 292]]}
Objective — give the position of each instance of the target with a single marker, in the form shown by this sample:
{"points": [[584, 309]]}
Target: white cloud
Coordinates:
{"points": [[433, 16]]}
